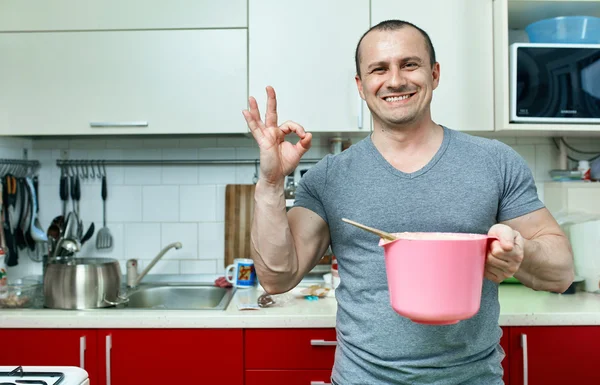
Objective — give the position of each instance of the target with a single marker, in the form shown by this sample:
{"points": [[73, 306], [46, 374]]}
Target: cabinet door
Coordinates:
{"points": [[462, 35], [554, 355], [305, 50], [66, 15], [289, 348], [288, 377], [171, 356], [50, 347], [123, 82]]}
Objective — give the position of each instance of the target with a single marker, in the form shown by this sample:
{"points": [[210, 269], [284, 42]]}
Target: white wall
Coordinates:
{"points": [[151, 206]]}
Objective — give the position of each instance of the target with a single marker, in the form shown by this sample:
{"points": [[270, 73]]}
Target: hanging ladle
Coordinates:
{"points": [[382, 234]]}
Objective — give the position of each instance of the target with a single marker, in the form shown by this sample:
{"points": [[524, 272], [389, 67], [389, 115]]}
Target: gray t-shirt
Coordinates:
{"points": [[470, 184]]}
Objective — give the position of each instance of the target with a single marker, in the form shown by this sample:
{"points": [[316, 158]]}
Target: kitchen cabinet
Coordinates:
{"points": [[75, 15], [305, 50], [510, 19], [554, 355], [170, 356], [302, 356], [289, 356], [50, 347], [123, 82], [289, 348], [461, 33]]}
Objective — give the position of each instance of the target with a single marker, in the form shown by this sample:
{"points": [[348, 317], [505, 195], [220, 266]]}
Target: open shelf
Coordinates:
{"points": [[523, 13], [510, 19]]}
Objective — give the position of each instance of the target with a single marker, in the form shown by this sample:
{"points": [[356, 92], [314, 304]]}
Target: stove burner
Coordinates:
{"points": [[18, 372]]}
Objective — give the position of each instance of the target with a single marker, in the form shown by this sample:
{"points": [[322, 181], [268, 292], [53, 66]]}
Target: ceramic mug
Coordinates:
{"points": [[242, 273]]}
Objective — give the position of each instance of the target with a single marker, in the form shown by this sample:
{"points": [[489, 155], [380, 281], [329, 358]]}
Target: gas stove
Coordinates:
{"points": [[43, 375]]}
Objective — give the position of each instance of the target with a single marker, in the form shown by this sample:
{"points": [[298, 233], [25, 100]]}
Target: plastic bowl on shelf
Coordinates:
{"points": [[20, 293], [566, 30]]}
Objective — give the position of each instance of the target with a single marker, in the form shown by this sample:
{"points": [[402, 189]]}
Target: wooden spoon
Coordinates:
{"points": [[382, 234]]}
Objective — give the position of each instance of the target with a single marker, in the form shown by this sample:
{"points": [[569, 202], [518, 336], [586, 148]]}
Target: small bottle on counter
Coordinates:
{"points": [[132, 271], [584, 167]]}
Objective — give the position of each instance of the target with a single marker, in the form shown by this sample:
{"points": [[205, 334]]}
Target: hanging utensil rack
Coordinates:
{"points": [[18, 167], [87, 166]]}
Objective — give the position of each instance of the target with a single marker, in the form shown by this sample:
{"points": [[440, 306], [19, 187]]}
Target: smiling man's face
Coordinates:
{"points": [[397, 79]]}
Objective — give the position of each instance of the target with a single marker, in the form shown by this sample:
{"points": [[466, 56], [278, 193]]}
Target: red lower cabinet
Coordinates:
{"points": [[50, 347], [288, 377], [554, 355], [170, 356], [303, 356], [289, 348], [289, 356]]}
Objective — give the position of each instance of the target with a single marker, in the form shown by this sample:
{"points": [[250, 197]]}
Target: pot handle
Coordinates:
{"points": [[120, 300]]}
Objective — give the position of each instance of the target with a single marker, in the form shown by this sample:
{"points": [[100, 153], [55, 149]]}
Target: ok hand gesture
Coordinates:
{"points": [[278, 157]]}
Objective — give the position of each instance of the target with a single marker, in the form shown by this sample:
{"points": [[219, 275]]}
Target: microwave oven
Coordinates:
{"points": [[555, 83]]}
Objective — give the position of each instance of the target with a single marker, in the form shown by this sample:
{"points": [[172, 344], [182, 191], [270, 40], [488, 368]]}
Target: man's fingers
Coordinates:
{"points": [[497, 262], [254, 112], [494, 275], [253, 125], [304, 143], [271, 116]]}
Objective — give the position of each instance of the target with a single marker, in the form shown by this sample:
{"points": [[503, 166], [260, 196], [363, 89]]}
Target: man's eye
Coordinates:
{"points": [[378, 69], [411, 65]]}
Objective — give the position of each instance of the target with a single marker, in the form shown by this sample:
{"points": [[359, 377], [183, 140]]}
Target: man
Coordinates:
{"points": [[410, 174]]}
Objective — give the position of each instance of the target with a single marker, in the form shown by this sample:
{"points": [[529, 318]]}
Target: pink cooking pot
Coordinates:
{"points": [[436, 278]]}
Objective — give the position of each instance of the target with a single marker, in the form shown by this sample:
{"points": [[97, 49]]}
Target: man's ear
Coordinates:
{"points": [[359, 86], [435, 73]]}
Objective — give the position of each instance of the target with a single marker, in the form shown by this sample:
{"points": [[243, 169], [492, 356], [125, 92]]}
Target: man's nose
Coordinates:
{"points": [[396, 79]]}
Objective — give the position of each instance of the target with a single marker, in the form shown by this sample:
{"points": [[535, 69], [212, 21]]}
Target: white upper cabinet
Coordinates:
{"points": [[83, 15], [305, 50], [462, 35], [123, 82]]}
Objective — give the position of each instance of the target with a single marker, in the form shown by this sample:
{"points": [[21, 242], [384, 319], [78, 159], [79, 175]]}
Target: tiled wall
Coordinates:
{"points": [[149, 207]]}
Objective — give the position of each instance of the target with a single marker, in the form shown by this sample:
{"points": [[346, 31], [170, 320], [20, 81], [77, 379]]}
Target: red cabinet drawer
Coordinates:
{"points": [[289, 348], [288, 377], [554, 355]]}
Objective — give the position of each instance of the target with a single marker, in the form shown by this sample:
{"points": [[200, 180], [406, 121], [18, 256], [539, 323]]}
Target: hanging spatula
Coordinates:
{"points": [[104, 238]]}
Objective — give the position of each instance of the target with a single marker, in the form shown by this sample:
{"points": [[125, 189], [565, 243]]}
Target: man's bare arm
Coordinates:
{"points": [[285, 246], [548, 258]]}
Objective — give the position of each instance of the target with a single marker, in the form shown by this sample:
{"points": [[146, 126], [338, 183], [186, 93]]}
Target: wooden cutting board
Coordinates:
{"points": [[239, 208]]}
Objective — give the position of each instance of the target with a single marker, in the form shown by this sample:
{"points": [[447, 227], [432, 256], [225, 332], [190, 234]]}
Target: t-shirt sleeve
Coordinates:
{"points": [[309, 193], [518, 195]]}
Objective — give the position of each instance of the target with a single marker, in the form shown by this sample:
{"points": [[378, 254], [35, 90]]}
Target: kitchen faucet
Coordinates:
{"points": [[176, 245]]}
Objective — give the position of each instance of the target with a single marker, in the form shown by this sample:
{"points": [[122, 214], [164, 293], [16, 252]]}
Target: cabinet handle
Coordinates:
{"points": [[323, 343], [118, 124], [82, 352], [108, 348], [525, 366], [360, 112], [320, 383]]}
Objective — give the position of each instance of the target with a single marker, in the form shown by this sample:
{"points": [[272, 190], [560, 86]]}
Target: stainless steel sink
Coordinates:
{"points": [[179, 297]]}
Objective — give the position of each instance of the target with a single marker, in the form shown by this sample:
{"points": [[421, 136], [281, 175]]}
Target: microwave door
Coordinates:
{"points": [[590, 86], [557, 83]]}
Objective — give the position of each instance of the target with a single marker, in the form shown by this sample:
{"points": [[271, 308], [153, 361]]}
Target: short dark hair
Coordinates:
{"points": [[392, 25]]}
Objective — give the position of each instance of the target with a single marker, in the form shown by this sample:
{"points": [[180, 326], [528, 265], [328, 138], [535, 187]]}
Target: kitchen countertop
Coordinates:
{"points": [[520, 306]]}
